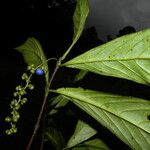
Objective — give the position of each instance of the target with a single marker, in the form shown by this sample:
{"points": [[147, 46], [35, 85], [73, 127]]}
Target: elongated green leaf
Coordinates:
{"points": [[57, 103], [34, 54], [126, 117], [79, 19], [55, 137], [82, 132], [80, 75], [125, 57], [95, 144]]}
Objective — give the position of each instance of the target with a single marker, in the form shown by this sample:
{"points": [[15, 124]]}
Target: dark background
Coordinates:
{"points": [[110, 15], [50, 22]]}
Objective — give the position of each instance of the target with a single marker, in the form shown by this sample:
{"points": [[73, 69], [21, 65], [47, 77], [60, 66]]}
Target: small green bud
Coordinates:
{"points": [[31, 87], [15, 119], [25, 76], [11, 130], [30, 67], [8, 119], [16, 104], [14, 113], [32, 71], [17, 107], [18, 116], [14, 130], [8, 132], [23, 101], [13, 102], [16, 94], [18, 88], [22, 92], [13, 125]]}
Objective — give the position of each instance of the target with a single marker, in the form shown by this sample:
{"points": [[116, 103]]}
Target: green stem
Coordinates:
{"points": [[68, 50]]}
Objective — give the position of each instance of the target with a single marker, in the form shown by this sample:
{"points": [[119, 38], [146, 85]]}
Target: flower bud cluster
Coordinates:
{"points": [[19, 100]]}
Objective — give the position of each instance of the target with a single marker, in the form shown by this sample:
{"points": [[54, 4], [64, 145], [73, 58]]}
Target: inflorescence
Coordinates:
{"points": [[20, 99]]}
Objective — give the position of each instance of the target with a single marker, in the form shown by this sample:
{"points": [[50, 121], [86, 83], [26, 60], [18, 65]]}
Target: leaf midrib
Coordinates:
{"points": [[105, 60], [108, 112]]}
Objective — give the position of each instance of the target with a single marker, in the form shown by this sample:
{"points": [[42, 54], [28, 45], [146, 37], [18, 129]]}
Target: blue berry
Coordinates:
{"points": [[39, 71]]}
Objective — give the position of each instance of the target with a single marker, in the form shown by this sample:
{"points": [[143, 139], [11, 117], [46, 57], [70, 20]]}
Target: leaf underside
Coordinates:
{"points": [[80, 75], [125, 57], [82, 132], [34, 54], [57, 103], [126, 117], [94, 144]]}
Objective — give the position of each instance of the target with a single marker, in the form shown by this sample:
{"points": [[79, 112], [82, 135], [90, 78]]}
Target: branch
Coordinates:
{"points": [[43, 106]]}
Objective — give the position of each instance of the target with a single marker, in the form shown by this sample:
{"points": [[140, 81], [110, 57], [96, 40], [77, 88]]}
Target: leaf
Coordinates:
{"points": [[80, 75], [126, 117], [55, 137], [79, 19], [57, 103], [94, 144], [125, 57], [34, 54], [82, 132]]}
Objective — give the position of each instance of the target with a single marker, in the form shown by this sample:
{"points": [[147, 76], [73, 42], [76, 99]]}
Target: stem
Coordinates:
{"points": [[43, 129], [68, 50], [43, 106]]}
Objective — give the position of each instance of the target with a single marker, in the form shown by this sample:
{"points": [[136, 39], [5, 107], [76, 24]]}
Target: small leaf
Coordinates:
{"points": [[80, 75], [126, 117], [125, 57], [79, 19], [95, 144], [57, 103], [82, 132], [34, 54]]}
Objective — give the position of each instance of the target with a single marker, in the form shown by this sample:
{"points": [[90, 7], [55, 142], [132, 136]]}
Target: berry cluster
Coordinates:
{"points": [[19, 99]]}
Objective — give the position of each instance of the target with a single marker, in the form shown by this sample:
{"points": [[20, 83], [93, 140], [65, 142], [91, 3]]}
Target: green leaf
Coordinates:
{"points": [[55, 137], [57, 103], [95, 144], [79, 19], [34, 54], [126, 117], [82, 132], [80, 75], [125, 57]]}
